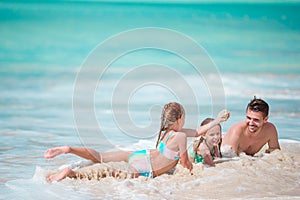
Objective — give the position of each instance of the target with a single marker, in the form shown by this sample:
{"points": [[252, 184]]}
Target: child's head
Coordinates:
{"points": [[172, 113], [214, 134]]}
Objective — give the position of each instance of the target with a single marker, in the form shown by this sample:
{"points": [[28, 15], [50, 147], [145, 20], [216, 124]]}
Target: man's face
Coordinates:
{"points": [[255, 120]]}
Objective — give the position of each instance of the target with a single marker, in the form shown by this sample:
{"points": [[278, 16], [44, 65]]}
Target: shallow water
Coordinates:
{"points": [[265, 176]]}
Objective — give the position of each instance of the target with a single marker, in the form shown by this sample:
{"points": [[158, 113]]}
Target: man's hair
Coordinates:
{"points": [[258, 105]]}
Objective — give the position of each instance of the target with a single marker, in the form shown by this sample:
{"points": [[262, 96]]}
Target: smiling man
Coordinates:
{"points": [[252, 134]]}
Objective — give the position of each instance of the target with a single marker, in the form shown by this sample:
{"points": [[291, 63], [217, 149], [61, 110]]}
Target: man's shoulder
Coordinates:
{"points": [[270, 127], [240, 126], [237, 129]]}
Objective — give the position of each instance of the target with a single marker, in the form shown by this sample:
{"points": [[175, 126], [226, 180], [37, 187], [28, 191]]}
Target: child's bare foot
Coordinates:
{"points": [[59, 176], [51, 153]]}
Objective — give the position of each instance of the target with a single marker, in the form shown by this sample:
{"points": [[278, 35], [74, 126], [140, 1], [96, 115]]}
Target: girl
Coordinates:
{"points": [[207, 147], [171, 148]]}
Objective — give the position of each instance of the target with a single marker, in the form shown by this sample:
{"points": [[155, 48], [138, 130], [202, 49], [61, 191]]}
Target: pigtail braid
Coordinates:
{"points": [[162, 125]]}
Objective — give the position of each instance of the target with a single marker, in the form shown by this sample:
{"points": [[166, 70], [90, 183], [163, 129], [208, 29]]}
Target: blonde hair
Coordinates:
{"points": [[198, 142], [170, 114]]}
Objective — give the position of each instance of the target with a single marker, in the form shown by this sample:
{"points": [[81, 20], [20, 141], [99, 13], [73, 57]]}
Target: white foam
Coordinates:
{"points": [[286, 141], [274, 86]]}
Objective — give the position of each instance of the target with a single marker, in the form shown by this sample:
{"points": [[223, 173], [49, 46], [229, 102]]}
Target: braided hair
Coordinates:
{"points": [[170, 114]]}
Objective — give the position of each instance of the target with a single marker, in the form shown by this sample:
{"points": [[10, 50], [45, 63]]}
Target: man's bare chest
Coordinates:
{"points": [[252, 145]]}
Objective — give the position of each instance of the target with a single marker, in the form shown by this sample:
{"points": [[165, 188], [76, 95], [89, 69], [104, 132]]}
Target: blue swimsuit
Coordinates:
{"points": [[164, 150], [141, 162]]}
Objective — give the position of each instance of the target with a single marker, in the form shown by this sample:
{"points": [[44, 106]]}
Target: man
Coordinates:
{"points": [[252, 134]]}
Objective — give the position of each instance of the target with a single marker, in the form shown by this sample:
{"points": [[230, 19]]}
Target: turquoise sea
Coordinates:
{"points": [[97, 73]]}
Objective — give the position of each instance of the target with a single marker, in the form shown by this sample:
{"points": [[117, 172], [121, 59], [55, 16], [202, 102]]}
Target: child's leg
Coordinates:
{"points": [[67, 172]]}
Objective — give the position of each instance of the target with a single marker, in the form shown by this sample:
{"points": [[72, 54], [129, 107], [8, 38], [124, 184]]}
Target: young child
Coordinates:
{"points": [[207, 147]]}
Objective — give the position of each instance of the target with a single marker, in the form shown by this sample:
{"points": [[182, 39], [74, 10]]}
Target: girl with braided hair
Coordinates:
{"points": [[171, 148], [207, 146]]}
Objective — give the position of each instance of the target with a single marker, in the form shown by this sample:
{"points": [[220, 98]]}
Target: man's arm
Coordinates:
{"points": [[232, 138], [273, 141]]}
